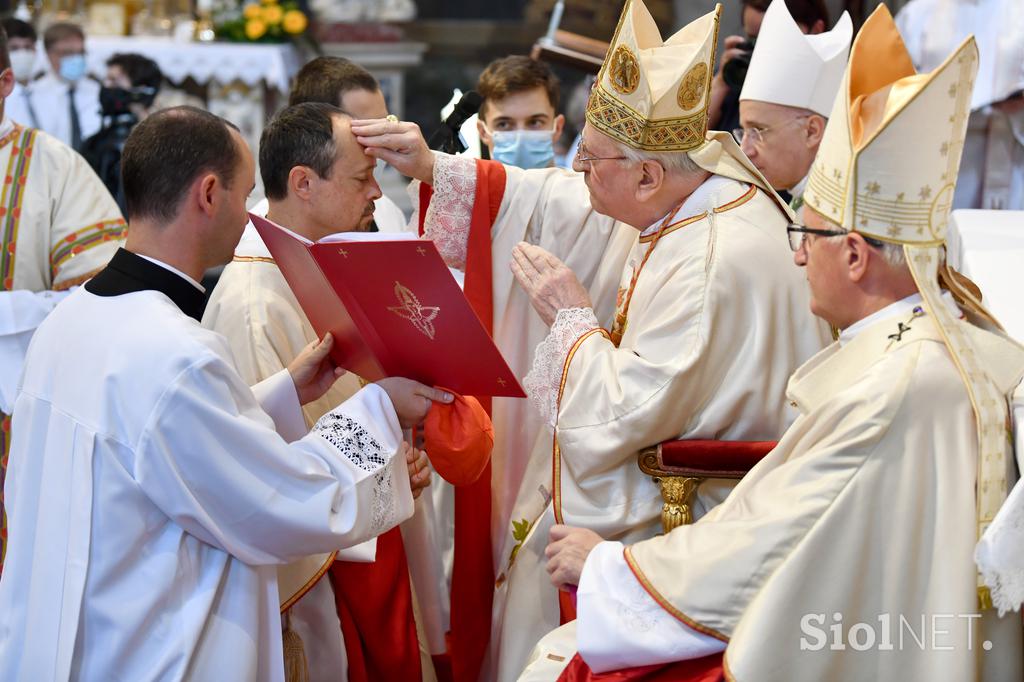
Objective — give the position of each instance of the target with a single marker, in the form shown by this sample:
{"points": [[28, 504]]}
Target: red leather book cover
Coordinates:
{"points": [[393, 308]]}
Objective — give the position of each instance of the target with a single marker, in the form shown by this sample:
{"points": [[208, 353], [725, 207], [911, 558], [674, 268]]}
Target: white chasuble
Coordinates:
{"points": [[58, 223], [847, 553], [550, 208], [695, 359], [151, 499]]}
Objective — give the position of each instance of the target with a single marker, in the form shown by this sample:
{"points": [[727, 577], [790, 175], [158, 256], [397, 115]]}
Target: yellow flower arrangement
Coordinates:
{"points": [[261, 21], [255, 29], [295, 22], [272, 14], [252, 12]]}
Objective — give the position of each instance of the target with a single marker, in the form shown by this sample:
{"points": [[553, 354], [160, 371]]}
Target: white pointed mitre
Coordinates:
{"points": [[887, 168], [797, 70], [653, 94], [888, 162]]}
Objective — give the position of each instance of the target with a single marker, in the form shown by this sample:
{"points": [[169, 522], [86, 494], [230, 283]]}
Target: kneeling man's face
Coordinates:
{"points": [[343, 201], [232, 214]]}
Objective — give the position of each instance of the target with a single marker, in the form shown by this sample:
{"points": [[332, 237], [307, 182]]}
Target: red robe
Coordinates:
{"points": [[473, 572]]}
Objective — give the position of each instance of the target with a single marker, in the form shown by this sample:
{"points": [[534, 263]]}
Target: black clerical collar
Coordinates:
{"points": [[128, 272], [786, 196]]}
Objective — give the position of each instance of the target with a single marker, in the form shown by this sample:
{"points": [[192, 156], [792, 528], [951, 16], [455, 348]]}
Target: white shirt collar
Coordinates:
{"points": [[704, 198], [901, 308], [176, 271], [6, 126]]}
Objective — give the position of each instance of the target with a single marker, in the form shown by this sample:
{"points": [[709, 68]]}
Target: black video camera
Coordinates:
{"points": [[735, 70]]}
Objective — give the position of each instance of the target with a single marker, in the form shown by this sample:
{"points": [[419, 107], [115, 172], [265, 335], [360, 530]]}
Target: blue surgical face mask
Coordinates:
{"points": [[72, 67], [524, 148]]}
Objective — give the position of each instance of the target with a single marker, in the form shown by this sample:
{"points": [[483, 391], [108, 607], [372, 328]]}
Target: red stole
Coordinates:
{"points": [[707, 669], [473, 572], [374, 603]]}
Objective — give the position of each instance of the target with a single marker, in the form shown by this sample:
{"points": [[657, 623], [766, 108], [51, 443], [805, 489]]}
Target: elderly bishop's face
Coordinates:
{"points": [[822, 259], [611, 178]]}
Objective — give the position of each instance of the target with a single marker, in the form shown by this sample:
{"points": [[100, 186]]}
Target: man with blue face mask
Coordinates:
{"points": [[518, 121], [66, 99]]}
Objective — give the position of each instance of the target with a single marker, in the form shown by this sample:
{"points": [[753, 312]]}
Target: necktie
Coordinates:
{"points": [[76, 128]]}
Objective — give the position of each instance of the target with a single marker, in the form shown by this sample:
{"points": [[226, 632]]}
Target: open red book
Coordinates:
{"points": [[393, 308]]}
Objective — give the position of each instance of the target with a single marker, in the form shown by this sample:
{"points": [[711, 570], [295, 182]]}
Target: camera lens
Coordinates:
{"points": [[735, 71]]}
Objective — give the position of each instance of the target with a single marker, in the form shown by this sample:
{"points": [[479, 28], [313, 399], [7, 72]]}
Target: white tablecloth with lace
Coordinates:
{"points": [[253, 64]]}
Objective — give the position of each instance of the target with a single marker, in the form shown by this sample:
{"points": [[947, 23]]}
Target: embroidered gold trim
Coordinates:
{"points": [[725, 668], [253, 259], [290, 602], [674, 226], [617, 120], [692, 87], [665, 604], [624, 74], [556, 453]]}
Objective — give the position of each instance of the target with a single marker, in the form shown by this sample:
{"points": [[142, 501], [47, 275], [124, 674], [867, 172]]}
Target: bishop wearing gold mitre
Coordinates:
{"points": [[648, 295], [847, 553]]}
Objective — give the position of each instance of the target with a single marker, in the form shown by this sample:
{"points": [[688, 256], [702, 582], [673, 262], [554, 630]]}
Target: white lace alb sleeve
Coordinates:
{"points": [[544, 379], [619, 625], [359, 446], [1000, 552], [451, 207]]}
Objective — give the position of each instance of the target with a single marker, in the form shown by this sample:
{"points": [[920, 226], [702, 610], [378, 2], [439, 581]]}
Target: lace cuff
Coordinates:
{"points": [[364, 451], [451, 207], [1000, 553], [544, 380]]}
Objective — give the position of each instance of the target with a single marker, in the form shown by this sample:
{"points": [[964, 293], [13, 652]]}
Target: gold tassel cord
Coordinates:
{"points": [[296, 667]]}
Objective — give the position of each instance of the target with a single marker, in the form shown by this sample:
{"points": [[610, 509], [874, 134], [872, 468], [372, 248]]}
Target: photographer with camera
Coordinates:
{"points": [[724, 108], [129, 89]]}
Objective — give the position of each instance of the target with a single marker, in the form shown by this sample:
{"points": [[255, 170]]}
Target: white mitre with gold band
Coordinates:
{"points": [[794, 69], [653, 95], [887, 168]]}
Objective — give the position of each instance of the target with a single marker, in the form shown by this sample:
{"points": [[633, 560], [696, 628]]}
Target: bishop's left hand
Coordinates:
{"points": [[567, 552], [313, 371], [549, 282]]}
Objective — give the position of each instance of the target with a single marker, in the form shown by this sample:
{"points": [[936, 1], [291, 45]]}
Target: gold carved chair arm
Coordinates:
{"points": [[680, 466]]}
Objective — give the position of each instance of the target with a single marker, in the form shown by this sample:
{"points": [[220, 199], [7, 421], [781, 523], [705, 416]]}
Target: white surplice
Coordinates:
{"points": [[253, 307], [21, 312], [170, 498]]}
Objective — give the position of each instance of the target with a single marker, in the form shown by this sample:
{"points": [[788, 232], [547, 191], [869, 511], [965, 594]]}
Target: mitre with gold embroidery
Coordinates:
{"points": [[653, 94], [887, 168], [888, 162]]}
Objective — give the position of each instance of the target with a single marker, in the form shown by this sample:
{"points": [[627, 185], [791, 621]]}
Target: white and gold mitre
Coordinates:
{"points": [[887, 168], [888, 162], [653, 94], [797, 70]]}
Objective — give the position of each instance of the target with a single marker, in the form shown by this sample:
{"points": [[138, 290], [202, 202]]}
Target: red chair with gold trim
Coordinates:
{"points": [[680, 466]]}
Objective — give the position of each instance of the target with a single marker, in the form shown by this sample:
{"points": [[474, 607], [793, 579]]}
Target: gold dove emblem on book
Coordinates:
{"points": [[421, 316]]}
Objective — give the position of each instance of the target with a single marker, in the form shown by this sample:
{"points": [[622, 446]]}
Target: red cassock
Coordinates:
{"points": [[707, 669]]}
